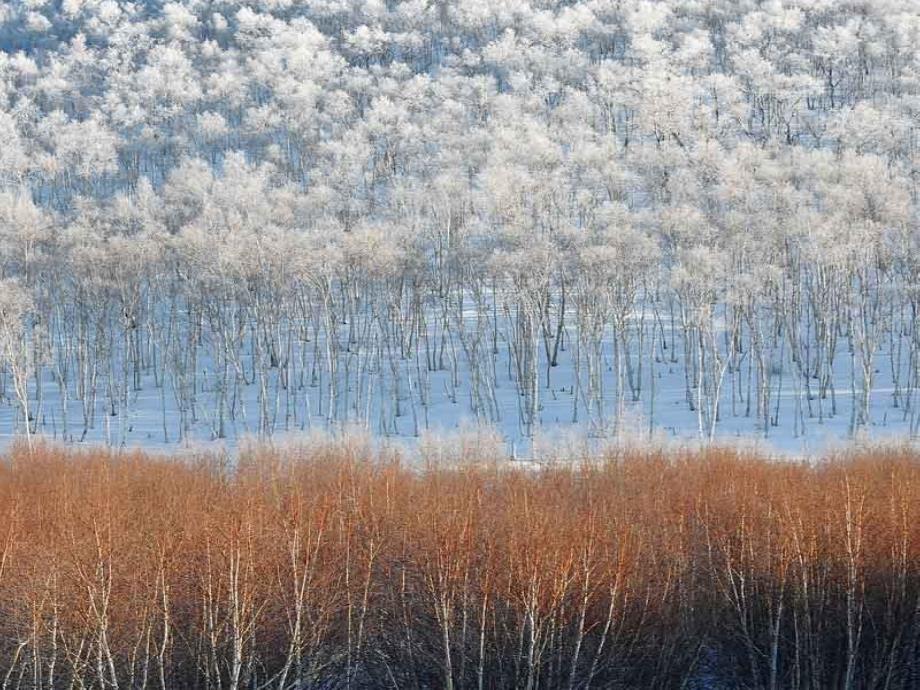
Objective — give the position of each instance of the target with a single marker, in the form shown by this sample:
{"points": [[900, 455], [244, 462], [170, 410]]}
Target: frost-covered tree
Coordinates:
{"points": [[15, 346]]}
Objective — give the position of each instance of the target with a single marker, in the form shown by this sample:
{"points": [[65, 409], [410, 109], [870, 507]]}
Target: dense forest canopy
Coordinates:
{"points": [[218, 217]]}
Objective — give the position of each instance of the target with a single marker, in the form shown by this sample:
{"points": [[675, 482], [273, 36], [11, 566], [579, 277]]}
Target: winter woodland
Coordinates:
{"points": [[687, 218]]}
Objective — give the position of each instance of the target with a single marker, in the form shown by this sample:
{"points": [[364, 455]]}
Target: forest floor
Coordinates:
{"points": [[663, 417]]}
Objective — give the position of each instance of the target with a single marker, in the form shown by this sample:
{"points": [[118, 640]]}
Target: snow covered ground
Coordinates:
{"points": [[151, 417]]}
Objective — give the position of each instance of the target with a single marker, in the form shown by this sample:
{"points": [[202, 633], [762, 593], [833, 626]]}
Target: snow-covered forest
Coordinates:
{"points": [[692, 218]]}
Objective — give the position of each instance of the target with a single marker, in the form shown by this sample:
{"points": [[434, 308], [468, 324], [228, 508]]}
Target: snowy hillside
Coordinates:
{"points": [[674, 219]]}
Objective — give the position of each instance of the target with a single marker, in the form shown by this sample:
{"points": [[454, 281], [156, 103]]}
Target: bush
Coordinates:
{"points": [[321, 567]]}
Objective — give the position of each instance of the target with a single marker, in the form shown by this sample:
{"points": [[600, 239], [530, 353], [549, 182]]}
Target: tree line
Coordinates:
{"points": [[330, 566], [219, 219]]}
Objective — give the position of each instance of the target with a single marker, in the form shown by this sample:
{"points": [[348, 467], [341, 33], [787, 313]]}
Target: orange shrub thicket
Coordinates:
{"points": [[327, 567]]}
